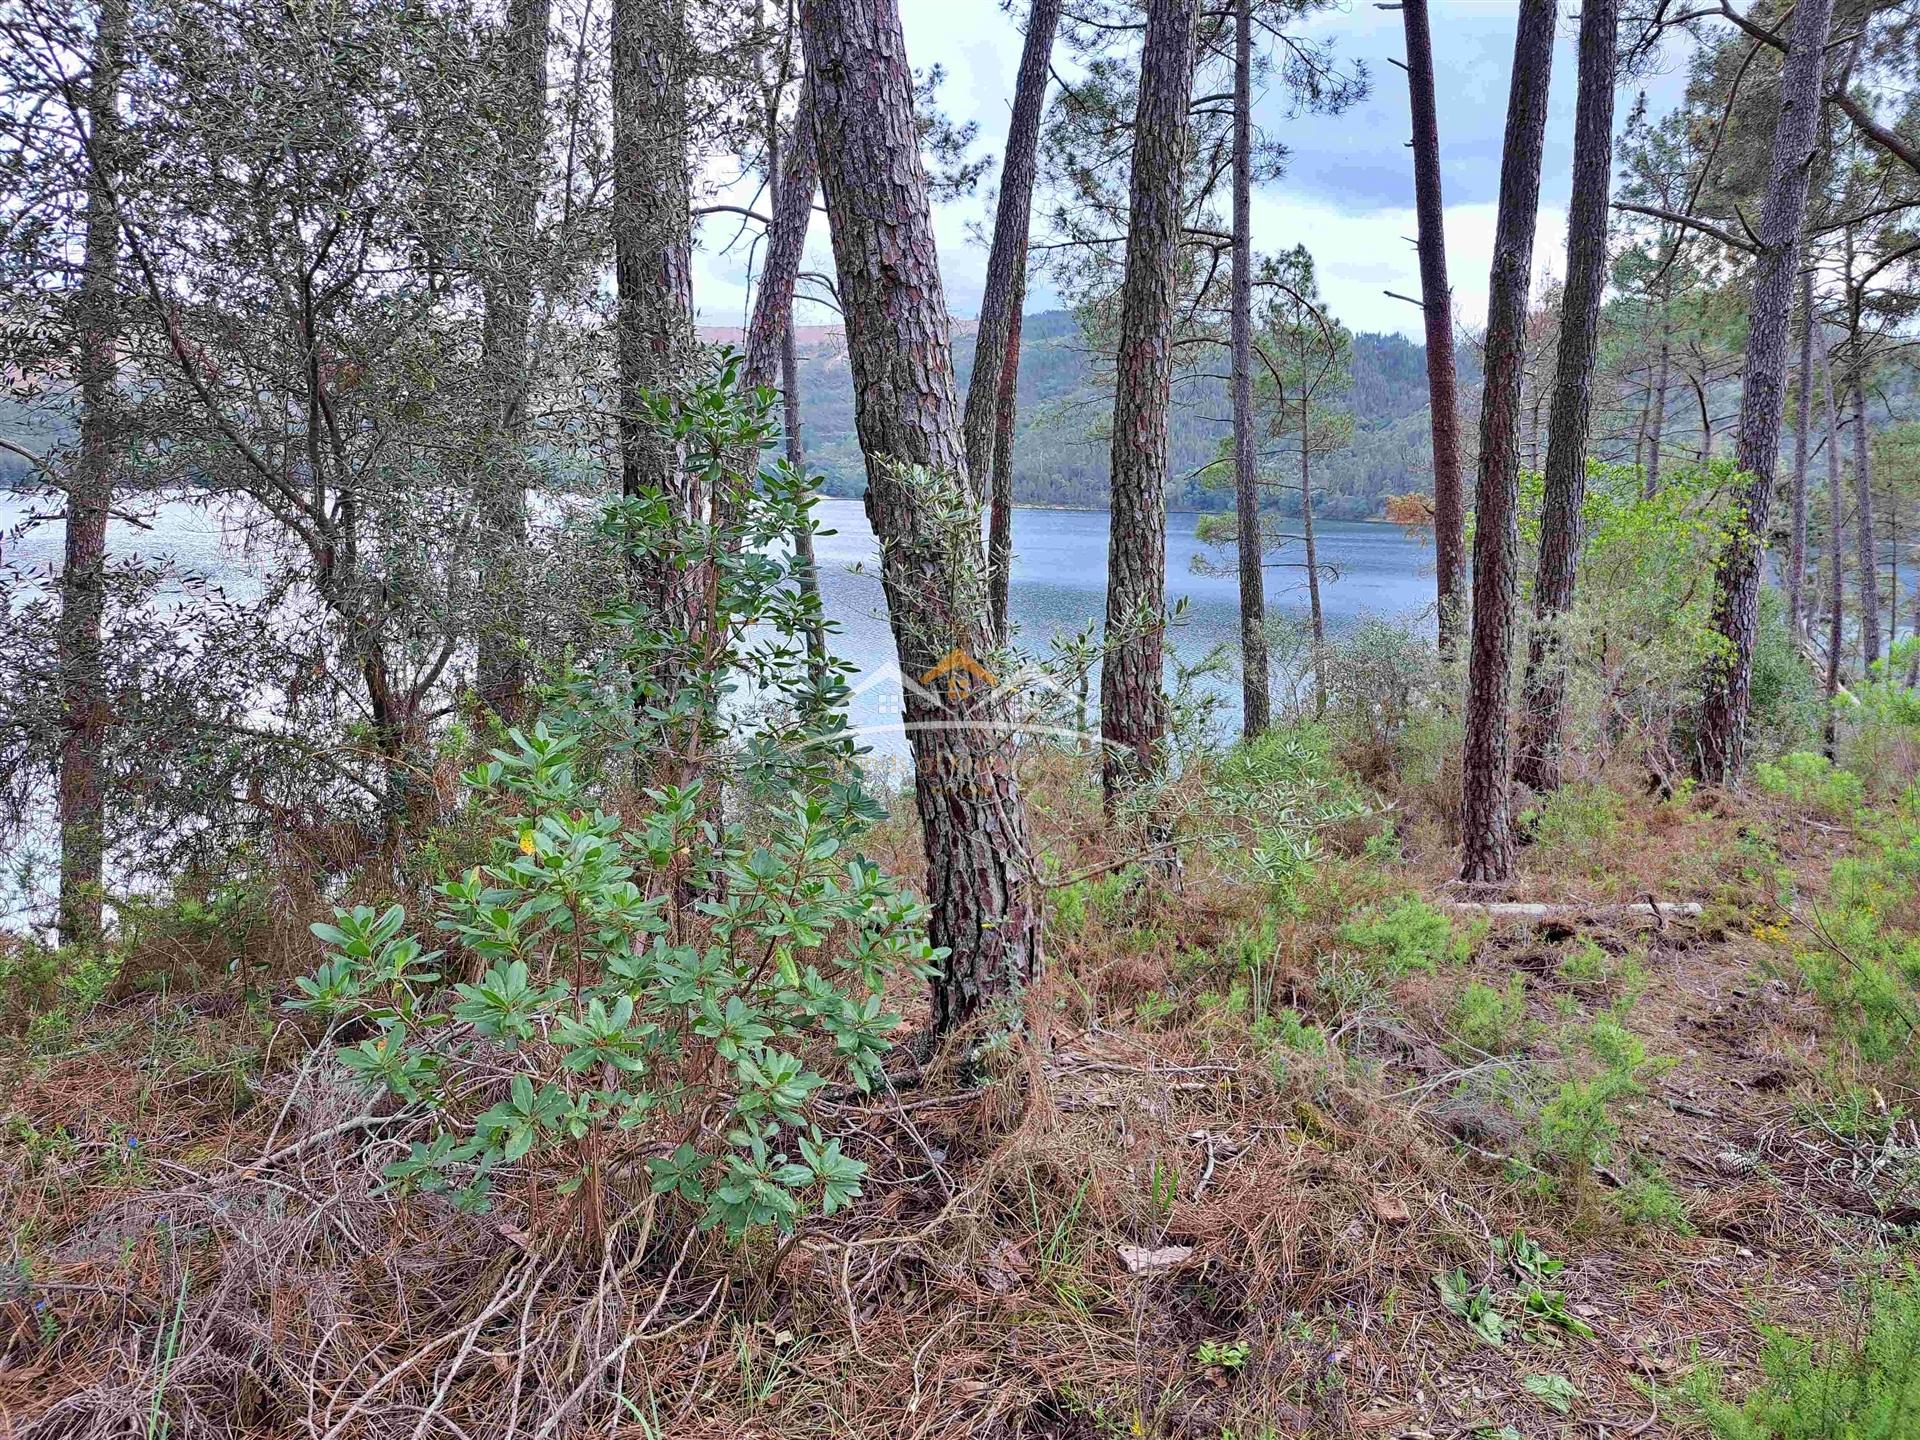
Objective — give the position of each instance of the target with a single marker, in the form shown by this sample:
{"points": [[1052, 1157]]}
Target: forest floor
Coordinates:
{"points": [[1332, 1157]]}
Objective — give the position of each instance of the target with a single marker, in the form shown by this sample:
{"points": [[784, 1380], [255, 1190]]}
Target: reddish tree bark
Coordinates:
{"points": [[1487, 779], [1133, 709], [507, 294], [1864, 531], [1802, 424], [1836, 556], [1436, 303], [1007, 260], [1000, 513], [1255, 703], [1543, 709], [984, 899], [1736, 602], [85, 718], [794, 175]]}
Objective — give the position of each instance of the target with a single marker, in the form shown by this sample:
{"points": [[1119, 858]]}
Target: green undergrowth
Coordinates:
{"points": [[1854, 1383]]}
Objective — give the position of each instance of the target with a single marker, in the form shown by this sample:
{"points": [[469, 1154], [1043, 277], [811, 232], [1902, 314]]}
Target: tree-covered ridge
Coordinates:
{"points": [[1060, 447]]}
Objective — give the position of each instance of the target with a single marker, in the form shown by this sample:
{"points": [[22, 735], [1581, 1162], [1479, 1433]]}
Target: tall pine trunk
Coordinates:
{"points": [[1869, 560], [1543, 709], [653, 264], [1802, 423], [1133, 709], [1436, 305], [85, 718], [1007, 260], [1486, 819], [1736, 599], [1316, 616], [793, 173], [505, 363], [1000, 510], [1255, 703], [980, 880], [1657, 427], [1836, 555]]}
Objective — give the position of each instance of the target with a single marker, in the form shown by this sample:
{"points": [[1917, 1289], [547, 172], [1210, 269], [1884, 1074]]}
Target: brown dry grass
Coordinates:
{"points": [[205, 1244]]}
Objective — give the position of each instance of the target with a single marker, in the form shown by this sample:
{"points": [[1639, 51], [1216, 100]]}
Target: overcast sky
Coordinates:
{"points": [[1348, 191]]}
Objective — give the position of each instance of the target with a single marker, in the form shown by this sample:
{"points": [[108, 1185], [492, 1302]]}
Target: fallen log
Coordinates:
{"points": [[1659, 911]]}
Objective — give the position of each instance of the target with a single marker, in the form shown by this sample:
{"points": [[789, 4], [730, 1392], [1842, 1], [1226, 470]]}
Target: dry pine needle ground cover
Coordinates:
{"points": [[1356, 1163]]}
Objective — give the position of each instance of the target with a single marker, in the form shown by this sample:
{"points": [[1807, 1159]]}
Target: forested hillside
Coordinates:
{"points": [[1066, 402]]}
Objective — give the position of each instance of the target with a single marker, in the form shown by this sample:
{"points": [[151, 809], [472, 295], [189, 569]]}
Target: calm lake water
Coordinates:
{"points": [[1059, 580]]}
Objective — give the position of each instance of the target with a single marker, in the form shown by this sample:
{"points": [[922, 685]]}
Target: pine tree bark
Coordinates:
{"points": [[794, 175], [1436, 304], [1007, 260], [984, 900], [1487, 779], [1868, 563], [90, 484], [1657, 429], [1836, 557], [1543, 708], [1000, 511], [1316, 616], [1802, 424], [653, 259], [505, 363], [1133, 709], [1255, 703], [1736, 602]]}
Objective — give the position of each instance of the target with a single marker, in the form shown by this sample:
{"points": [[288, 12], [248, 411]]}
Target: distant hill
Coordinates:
{"points": [[1060, 453]]}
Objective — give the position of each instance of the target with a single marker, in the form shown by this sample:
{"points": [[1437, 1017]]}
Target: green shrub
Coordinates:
{"points": [[1648, 1199], [1406, 936], [1864, 1386], [616, 1022], [1577, 1127], [1492, 1021], [1267, 803], [1812, 783], [46, 990], [1860, 953], [1577, 821], [663, 982]]}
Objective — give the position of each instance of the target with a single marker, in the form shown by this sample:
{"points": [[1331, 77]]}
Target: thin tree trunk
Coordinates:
{"points": [[1007, 260], [1436, 304], [1736, 602], [505, 362], [653, 261], [1802, 423], [1836, 557], [83, 578], [1657, 430], [1000, 513], [984, 901], [1487, 780], [1255, 705], [1316, 617], [1543, 710], [1869, 560], [1133, 710], [793, 173]]}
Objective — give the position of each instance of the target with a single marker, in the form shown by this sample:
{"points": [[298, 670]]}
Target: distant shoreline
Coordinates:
{"points": [[1102, 510]]}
